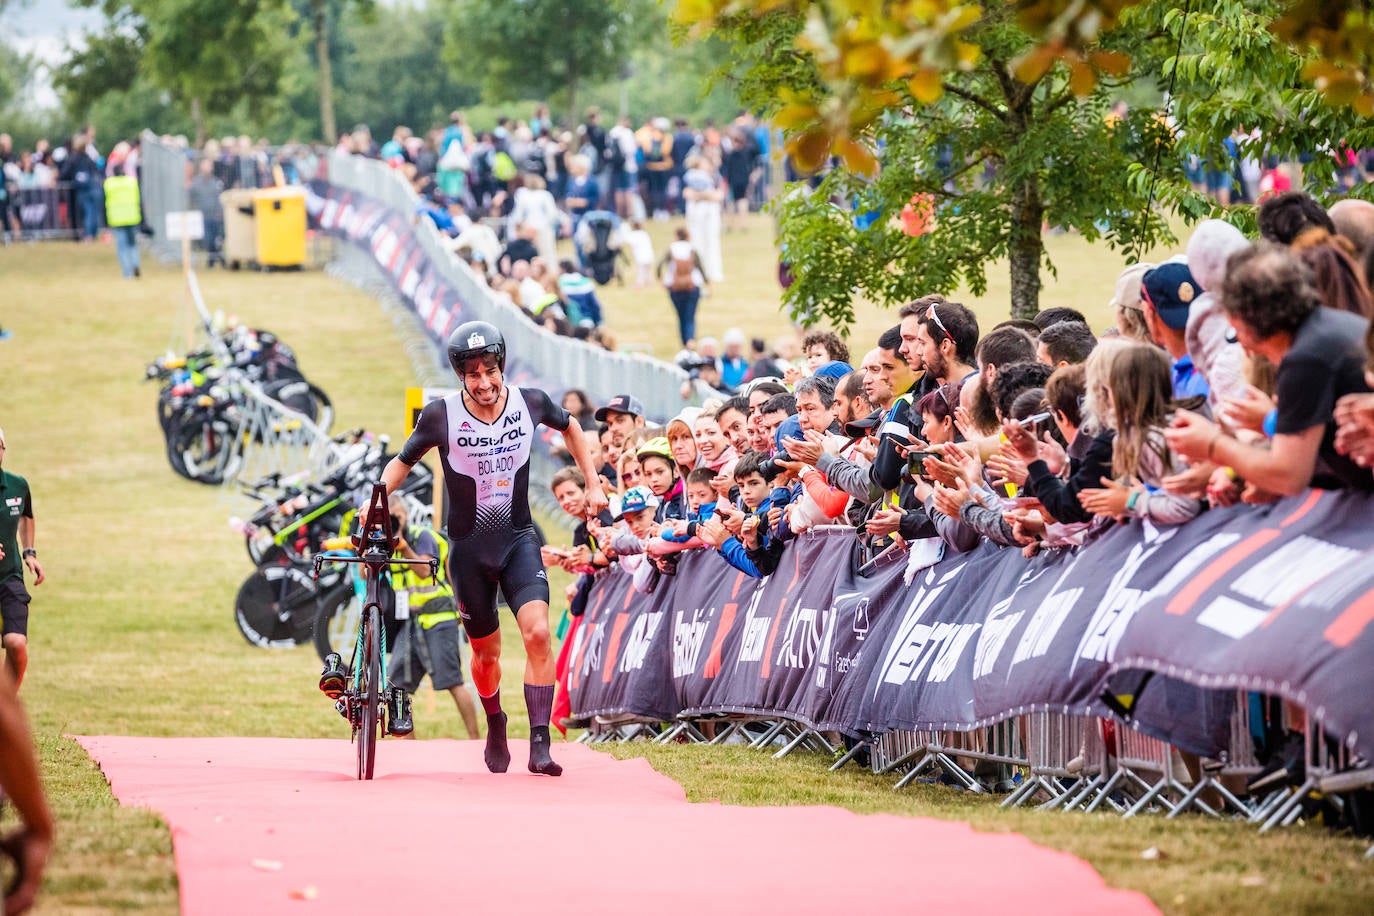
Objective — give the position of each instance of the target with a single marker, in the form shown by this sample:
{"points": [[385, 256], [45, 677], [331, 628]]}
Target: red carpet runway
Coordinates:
{"points": [[272, 825]]}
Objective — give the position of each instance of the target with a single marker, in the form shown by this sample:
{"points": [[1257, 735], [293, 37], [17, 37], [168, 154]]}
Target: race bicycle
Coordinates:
{"points": [[366, 690]]}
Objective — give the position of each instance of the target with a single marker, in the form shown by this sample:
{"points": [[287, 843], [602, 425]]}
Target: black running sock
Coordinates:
{"points": [[540, 761], [491, 705], [497, 754], [539, 702]]}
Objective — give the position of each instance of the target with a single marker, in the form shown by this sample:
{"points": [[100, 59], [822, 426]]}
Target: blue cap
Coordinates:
{"points": [[790, 429], [637, 499], [834, 369]]}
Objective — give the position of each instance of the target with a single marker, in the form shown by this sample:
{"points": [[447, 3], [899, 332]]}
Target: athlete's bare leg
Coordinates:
{"points": [[533, 618], [17, 656]]}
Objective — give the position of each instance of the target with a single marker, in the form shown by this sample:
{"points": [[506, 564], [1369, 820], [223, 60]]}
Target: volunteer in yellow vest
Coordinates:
{"points": [[428, 615], [123, 213]]}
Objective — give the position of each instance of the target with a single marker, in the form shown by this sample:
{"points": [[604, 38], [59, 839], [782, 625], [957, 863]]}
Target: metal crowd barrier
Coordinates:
{"points": [[577, 364], [48, 213]]}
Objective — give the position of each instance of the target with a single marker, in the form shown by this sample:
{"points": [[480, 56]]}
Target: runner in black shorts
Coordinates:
{"points": [[484, 434], [17, 552]]}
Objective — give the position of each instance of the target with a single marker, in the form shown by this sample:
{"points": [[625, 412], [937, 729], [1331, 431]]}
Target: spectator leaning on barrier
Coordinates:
{"points": [[1276, 312], [1167, 292], [624, 416], [733, 419], [1067, 343], [1220, 359]]}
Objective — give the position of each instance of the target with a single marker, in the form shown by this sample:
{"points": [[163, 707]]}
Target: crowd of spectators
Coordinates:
{"points": [[1239, 371], [505, 197]]}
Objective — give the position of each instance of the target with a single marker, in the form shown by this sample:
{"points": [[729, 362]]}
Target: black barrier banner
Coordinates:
{"points": [[1166, 622], [621, 657]]}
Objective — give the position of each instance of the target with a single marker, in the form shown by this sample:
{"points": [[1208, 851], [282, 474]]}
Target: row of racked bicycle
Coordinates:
{"points": [[242, 391], [238, 412], [282, 603]]}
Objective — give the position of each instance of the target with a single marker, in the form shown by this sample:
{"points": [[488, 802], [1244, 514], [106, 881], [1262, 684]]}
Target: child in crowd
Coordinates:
{"points": [[701, 504], [734, 531], [1134, 397], [658, 471], [583, 559], [642, 250], [627, 541]]}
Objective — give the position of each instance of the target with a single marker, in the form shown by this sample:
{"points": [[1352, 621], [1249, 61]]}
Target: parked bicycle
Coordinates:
{"points": [[366, 699], [279, 604]]}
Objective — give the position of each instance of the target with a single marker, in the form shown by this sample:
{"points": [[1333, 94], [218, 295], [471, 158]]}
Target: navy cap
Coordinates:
{"points": [[1170, 289]]}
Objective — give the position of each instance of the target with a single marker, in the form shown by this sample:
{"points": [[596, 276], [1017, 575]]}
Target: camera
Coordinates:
{"points": [[396, 525], [916, 462], [771, 468]]}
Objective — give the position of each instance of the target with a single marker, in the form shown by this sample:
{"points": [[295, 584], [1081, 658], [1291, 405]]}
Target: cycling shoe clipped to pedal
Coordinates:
{"points": [[398, 719]]}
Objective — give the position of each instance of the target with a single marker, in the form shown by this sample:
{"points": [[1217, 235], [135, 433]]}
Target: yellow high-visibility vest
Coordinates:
{"points": [[122, 201]]}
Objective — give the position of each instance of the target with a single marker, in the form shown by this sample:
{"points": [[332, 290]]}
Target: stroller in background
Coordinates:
{"points": [[600, 245]]}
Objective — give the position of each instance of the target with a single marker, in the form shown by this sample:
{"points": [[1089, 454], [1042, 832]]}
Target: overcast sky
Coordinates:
{"points": [[42, 28]]}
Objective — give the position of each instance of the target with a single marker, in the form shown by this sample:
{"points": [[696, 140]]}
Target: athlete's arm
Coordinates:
{"points": [[577, 447], [431, 429], [545, 411]]}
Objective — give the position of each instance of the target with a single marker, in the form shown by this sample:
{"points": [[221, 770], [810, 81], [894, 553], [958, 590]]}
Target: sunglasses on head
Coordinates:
{"points": [[944, 396], [934, 316]]}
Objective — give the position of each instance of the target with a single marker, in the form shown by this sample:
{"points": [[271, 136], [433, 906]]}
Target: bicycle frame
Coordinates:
{"points": [[374, 544]]}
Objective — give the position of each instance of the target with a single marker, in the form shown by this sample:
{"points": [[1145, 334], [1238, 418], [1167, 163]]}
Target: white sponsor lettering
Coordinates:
{"points": [[637, 646], [689, 635], [1118, 606]]}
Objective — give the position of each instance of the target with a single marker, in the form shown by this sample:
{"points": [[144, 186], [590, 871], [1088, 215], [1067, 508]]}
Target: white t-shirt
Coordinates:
{"points": [[641, 246]]}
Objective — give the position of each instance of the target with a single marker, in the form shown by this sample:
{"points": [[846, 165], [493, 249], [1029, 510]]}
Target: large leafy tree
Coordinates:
{"points": [[988, 156], [208, 56], [1008, 136], [542, 49]]}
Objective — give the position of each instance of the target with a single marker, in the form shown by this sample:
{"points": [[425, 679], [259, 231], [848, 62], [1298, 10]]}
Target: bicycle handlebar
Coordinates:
{"points": [[374, 559]]}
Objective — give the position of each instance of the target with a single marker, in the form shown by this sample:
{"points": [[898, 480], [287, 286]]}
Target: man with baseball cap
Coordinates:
{"points": [[1166, 293], [17, 551], [623, 416]]}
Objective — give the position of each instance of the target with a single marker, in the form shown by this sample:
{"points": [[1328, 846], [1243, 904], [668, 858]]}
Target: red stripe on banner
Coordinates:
{"points": [[575, 676], [1347, 628], [727, 621], [1308, 504], [777, 618], [613, 650], [739, 580], [1184, 601]]}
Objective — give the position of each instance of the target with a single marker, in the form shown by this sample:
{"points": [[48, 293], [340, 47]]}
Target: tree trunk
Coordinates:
{"points": [[573, 117], [1025, 249], [320, 14], [198, 119]]}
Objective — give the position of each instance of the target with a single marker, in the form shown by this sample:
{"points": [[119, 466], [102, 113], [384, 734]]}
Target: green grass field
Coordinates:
{"points": [[133, 632]]}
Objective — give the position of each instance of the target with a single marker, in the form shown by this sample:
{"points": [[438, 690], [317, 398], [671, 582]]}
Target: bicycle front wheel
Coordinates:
{"points": [[275, 606], [370, 695]]}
